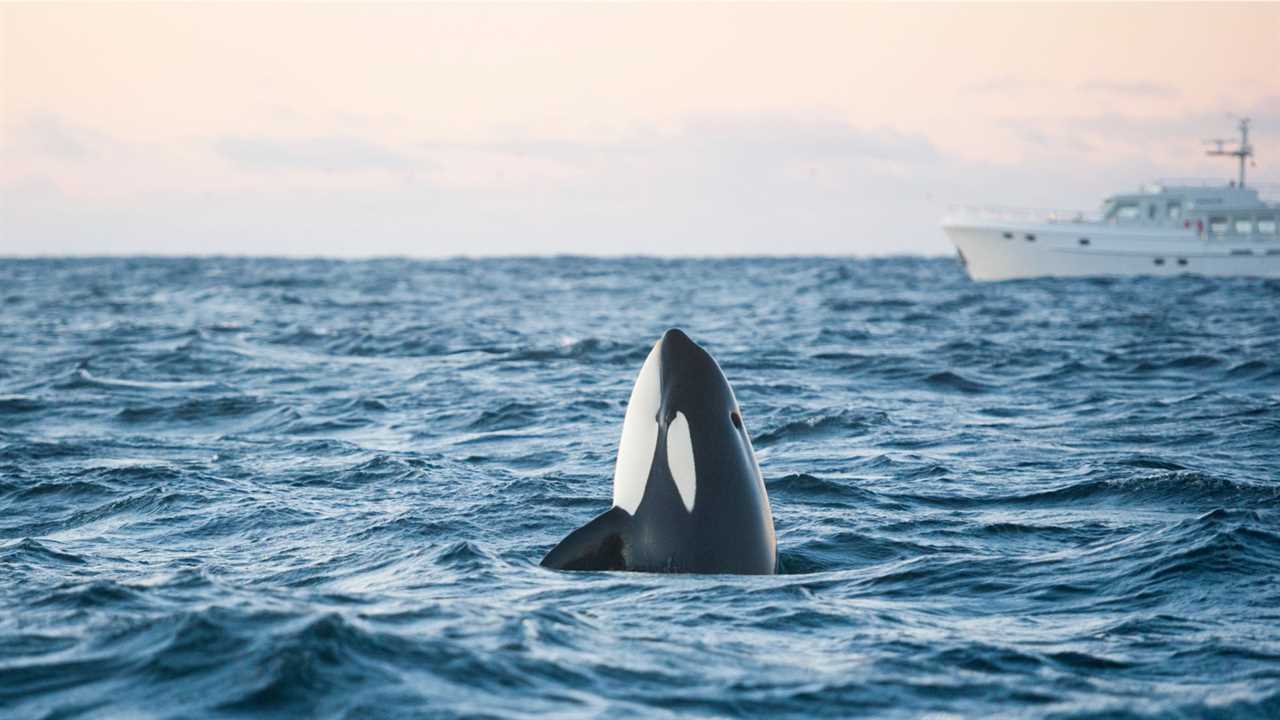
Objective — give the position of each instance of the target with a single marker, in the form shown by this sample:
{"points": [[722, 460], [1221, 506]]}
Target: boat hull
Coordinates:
{"points": [[1005, 251]]}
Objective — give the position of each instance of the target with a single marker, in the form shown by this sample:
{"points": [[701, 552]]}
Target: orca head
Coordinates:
{"points": [[684, 423], [687, 491]]}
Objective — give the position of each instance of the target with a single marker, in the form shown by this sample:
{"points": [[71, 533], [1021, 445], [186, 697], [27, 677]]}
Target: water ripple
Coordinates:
{"points": [[249, 487]]}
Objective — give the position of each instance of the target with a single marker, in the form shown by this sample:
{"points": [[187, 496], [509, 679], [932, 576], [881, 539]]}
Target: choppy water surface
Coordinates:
{"points": [[240, 487]]}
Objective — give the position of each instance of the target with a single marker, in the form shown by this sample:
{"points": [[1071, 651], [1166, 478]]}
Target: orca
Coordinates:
{"points": [[688, 496]]}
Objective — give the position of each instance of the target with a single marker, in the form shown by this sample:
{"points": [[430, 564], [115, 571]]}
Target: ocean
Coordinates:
{"points": [[236, 487]]}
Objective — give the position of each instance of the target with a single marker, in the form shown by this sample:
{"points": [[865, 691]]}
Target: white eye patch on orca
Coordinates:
{"points": [[639, 435], [680, 460]]}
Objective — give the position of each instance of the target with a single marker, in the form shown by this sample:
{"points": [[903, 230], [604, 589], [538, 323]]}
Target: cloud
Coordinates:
{"points": [[761, 138], [753, 184], [747, 184], [1139, 89], [809, 139], [324, 154], [1148, 141], [48, 135], [1001, 85]]}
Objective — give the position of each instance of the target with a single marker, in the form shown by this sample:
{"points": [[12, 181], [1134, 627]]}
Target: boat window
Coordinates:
{"points": [[1127, 211], [1151, 211], [1174, 211], [1218, 226], [1267, 225], [1244, 226]]}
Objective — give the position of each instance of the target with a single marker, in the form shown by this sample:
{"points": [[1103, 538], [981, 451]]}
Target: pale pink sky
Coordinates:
{"points": [[638, 128]]}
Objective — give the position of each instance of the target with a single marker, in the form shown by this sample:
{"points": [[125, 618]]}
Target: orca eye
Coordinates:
{"points": [[736, 418]]}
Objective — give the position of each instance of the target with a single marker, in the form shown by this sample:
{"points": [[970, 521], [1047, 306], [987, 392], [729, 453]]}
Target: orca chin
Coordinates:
{"points": [[688, 495]]}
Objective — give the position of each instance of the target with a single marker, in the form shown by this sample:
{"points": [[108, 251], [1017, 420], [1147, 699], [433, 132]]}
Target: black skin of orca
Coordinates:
{"points": [[731, 527]]}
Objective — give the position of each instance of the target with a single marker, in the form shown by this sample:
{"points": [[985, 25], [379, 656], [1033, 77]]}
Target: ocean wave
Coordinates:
{"points": [[1169, 489], [83, 378], [1203, 551], [845, 550], [28, 551], [195, 409], [1176, 488], [509, 416], [810, 487], [14, 405], [237, 486], [848, 423], [949, 380], [601, 350]]}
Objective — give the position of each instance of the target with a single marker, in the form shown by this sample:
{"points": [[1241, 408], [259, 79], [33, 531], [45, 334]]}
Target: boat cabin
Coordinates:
{"points": [[1216, 211]]}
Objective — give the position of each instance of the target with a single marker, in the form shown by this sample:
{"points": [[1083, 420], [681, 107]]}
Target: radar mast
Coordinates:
{"points": [[1243, 150]]}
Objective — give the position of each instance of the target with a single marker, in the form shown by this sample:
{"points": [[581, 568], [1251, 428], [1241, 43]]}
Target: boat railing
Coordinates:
{"points": [[1268, 191], [1201, 182], [1010, 213]]}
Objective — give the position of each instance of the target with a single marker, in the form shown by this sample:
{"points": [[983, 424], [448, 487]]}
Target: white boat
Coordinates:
{"points": [[1168, 228]]}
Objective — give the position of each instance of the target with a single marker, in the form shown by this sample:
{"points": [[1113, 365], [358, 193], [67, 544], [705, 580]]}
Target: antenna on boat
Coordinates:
{"points": [[1243, 151]]}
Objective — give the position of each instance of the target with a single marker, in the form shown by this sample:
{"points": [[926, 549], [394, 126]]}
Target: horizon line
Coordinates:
{"points": [[482, 256]]}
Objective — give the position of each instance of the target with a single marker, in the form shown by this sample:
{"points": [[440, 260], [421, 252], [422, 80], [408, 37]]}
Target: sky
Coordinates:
{"points": [[658, 129]]}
